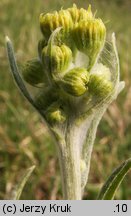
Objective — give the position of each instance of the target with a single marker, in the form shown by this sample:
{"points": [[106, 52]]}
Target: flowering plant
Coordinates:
{"points": [[76, 75]]}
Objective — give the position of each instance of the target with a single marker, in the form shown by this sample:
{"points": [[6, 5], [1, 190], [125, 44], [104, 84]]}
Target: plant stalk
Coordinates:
{"points": [[69, 158]]}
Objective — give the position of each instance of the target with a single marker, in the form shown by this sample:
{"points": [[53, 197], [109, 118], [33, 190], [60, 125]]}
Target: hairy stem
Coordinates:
{"points": [[69, 157]]}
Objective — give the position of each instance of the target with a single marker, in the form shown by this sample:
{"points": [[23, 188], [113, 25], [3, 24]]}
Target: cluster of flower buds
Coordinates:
{"points": [[67, 35]]}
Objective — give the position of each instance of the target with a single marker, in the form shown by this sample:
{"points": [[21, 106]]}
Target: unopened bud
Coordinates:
{"points": [[50, 21], [80, 14], [58, 60], [89, 38], [75, 81], [99, 86], [33, 72], [54, 114]]}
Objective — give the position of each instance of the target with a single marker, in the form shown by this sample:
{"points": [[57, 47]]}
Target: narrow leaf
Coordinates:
{"points": [[109, 188], [16, 75], [15, 71], [22, 183]]}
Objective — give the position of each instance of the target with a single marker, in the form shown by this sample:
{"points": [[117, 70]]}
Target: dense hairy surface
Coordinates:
{"points": [[24, 139]]}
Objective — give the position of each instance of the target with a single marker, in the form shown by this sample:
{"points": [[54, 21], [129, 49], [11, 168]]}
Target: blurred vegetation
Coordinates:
{"points": [[24, 139]]}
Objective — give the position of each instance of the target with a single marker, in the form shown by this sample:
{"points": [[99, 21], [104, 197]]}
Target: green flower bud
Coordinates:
{"points": [[59, 60], [75, 13], [99, 86], [32, 72], [89, 37], [85, 14], [80, 14], [50, 21], [75, 81], [54, 114]]}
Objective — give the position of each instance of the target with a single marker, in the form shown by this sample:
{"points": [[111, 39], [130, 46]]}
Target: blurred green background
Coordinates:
{"points": [[24, 139]]}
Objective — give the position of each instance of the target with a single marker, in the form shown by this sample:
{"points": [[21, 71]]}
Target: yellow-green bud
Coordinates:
{"points": [[32, 72], [99, 86], [54, 114], [89, 37], [86, 14], [59, 59], [75, 81], [50, 21], [80, 14], [74, 12]]}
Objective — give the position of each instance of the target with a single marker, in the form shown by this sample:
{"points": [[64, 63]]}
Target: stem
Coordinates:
{"points": [[69, 158]]}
